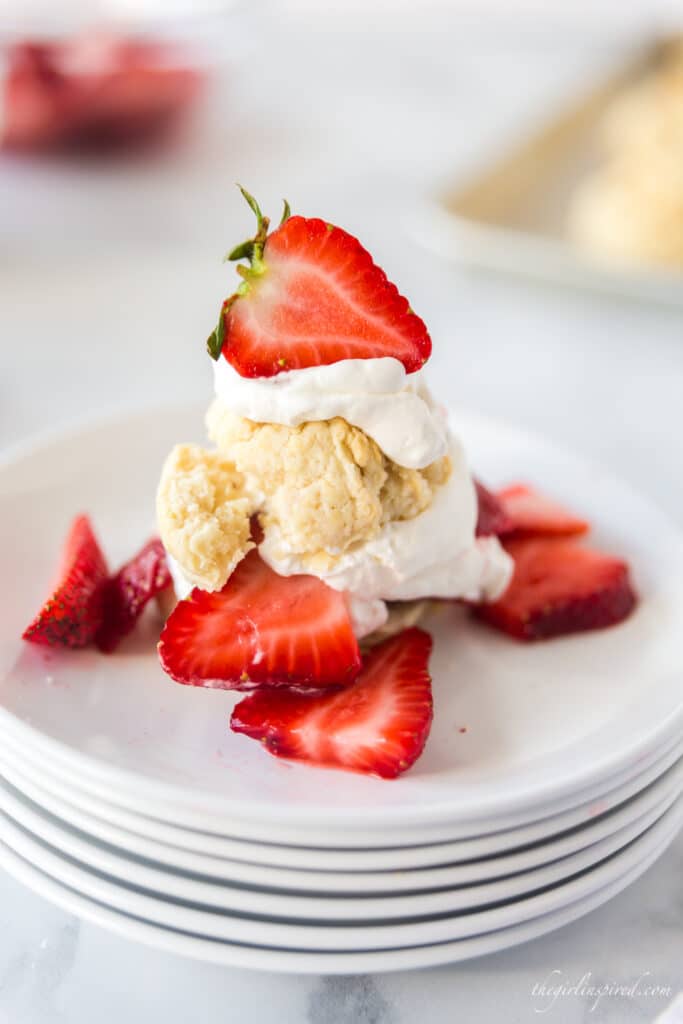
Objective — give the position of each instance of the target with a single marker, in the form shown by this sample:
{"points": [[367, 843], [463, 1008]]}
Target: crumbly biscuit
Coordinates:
{"points": [[326, 485], [203, 514], [408, 492]]}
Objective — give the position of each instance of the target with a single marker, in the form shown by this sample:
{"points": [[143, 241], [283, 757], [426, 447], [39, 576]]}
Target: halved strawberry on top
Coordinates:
{"points": [[529, 512], [378, 725], [310, 296], [261, 629], [73, 613], [560, 587]]}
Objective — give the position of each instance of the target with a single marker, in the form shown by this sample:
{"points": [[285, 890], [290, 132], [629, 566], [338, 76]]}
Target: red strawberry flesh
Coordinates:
{"points": [[261, 629], [73, 614], [318, 299], [128, 592], [560, 587], [91, 91], [532, 513], [492, 519], [378, 725]]}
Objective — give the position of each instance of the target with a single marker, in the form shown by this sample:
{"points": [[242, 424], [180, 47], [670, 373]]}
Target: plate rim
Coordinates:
{"points": [[401, 858], [350, 907], [435, 931], [287, 961], [456, 871]]}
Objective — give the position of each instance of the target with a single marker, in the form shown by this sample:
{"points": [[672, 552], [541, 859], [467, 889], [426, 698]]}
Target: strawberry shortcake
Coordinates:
{"points": [[330, 507], [325, 433]]}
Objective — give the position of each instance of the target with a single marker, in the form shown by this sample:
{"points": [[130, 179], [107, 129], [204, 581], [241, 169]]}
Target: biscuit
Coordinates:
{"points": [[325, 485], [203, 514]]}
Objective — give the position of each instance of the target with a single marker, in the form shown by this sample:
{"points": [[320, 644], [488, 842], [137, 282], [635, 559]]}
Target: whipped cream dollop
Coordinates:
{"points": [[391, 406], [181, 585]]}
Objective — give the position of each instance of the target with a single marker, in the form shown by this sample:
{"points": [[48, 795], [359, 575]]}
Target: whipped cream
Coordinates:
{"points": [[393, 407], [366, 616], [181, 585], [435, 554]]}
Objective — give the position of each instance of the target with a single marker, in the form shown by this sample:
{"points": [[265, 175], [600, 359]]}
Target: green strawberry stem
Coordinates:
{"points": [[251, 250]]}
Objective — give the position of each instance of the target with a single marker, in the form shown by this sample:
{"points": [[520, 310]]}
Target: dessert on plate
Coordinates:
{"points": [[334, 504], [331, 506], [326, 439]]}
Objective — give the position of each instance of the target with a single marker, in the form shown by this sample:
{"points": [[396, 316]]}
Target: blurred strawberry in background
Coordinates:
{"points": [[92, 91]]}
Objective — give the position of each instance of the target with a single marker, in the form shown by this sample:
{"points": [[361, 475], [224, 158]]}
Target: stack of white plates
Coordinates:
{"points": [[552, 778]]}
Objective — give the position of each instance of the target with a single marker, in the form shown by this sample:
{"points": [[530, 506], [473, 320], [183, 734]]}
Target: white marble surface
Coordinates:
{"points": [[109, 276]]}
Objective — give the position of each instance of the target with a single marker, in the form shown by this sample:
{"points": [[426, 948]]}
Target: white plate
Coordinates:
{"points": [[511, 215], [558, 814], [545, 848], [337, 938], [530, 738], [292, 962], [106, 801], [211, 851], [534, 256], [334, 907]]}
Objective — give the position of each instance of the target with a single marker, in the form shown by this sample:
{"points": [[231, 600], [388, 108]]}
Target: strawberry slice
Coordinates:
{"points": [[560, 587], [377, 726], [260, 629], [73, 614], [128, 592], [531, 513], [310, 297], [492, 519]]}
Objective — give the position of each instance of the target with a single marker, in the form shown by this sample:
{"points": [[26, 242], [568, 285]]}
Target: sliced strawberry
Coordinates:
{"points": [[73, 614], [531, 513], [261, 628], [313, 296], [378, 726], [127, 593], [560, 587], [492, 519]]}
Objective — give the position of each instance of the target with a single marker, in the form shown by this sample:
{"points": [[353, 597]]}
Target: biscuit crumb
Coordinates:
{"points": [[203, 514]]}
